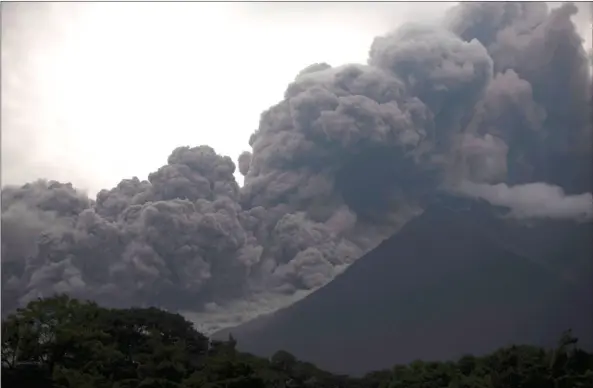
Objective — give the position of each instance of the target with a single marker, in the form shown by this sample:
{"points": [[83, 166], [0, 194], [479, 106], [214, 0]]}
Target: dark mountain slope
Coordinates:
{"points": [[445, 285]]}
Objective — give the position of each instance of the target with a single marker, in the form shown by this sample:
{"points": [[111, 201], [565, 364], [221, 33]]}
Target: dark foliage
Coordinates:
{"points": [[63, 342]]}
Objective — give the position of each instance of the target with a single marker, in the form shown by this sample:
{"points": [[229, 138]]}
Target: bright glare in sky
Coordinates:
{"points": [[96, 92]]}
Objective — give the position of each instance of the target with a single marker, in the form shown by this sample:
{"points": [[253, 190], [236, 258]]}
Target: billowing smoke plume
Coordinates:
{"points": [[533, 200], [498, 95]]}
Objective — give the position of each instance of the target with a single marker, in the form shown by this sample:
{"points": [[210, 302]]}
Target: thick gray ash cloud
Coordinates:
{"points": [[540, 54], [486, 102]]}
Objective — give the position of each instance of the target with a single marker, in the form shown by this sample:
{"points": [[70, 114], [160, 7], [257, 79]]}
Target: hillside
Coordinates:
{"points": [[454, 280]]}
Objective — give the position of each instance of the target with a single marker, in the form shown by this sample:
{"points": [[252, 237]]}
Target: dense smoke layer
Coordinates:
{"points": [[493, 97], [533, 200]]}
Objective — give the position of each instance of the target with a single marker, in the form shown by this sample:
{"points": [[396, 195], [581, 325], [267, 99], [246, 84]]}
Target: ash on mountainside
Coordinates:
{"points": [[456, 280]]}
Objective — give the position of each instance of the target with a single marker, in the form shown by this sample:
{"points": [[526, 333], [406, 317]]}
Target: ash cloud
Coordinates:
{"points": [[533, 200], [485, 103]]}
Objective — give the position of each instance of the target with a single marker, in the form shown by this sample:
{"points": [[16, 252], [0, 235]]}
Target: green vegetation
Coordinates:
{"points": [[63, 342]]}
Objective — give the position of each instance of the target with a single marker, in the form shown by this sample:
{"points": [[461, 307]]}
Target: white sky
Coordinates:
{"points": [[96, 92]]}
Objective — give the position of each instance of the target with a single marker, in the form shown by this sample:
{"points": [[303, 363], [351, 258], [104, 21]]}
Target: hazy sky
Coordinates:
{"points": [[96, 92]]}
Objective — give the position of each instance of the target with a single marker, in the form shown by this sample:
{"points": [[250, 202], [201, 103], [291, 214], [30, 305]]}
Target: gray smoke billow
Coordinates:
{"points": [[494, 103], [533, 200]]}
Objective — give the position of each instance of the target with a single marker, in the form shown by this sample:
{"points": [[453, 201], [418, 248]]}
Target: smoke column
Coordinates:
{"points": [[494, 103]]}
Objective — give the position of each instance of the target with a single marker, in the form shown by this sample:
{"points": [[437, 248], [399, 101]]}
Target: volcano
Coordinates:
{"points": [[460, 278]]}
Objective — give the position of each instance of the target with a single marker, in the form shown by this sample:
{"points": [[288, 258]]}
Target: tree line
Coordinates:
{"points": [[65, 342]]}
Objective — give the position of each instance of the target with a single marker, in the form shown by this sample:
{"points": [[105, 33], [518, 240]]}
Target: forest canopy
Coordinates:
{"points": [[65, 342]]}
